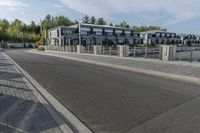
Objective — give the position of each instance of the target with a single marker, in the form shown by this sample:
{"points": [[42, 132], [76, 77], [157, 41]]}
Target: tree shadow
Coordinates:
{"points": [[23, 115], [9, 75], [5, 64], [14, 87], [22, 112]]}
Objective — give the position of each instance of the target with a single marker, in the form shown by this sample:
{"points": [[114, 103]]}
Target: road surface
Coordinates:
{"points": [[112, 100]]}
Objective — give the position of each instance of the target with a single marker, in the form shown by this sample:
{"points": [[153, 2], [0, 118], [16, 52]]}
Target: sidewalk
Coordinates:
{"points": [[181, 70], [20, 107]]}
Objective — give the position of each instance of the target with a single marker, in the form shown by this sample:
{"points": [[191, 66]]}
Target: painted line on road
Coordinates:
{"points": [[70, 123], [181, 78]]}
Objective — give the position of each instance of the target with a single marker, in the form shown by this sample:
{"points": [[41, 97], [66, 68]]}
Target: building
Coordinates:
{"points": [[89, 34], [189, 39], [156, 37]]}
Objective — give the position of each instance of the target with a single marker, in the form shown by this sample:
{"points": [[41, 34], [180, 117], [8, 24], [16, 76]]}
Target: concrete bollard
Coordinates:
{"points": [[97, 50], [168, 52], [68, 48], [80, 49], [123, 50]]}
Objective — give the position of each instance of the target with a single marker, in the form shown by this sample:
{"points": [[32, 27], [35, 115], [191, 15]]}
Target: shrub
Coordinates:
{"points": [[12, 46], [30, 46], [41, 48], [39, 43]]}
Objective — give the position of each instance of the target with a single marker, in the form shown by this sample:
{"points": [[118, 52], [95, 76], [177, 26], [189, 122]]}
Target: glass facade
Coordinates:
{"points": [[96, 35]]}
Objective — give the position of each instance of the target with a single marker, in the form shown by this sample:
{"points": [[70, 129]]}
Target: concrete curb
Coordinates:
{"points": [[70, 124], [182, 78]]}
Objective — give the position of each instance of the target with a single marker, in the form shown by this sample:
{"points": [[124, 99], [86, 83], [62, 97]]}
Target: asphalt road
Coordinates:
{"points": [[111, 100]]}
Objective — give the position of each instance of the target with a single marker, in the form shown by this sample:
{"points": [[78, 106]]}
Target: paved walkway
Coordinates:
{"points": [[179, 68], [20, 109]]}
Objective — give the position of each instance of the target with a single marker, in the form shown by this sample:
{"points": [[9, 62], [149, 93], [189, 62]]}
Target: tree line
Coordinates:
{"points": [[18, 31]]}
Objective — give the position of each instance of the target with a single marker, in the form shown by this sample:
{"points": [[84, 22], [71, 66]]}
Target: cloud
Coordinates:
{"points": [[12, 4], [58, 6], [167, 12]]}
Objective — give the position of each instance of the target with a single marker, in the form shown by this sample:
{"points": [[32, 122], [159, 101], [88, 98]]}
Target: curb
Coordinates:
{"points": [[71, 124], [181, 78]]}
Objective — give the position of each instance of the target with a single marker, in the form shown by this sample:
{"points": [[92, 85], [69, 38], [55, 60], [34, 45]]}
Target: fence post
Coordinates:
{"points": [[145, 52], [191, 54], [110, 50], [134, 51]]}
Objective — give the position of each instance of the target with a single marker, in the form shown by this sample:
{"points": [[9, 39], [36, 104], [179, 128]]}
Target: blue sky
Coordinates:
{"points": [[182, 16]]}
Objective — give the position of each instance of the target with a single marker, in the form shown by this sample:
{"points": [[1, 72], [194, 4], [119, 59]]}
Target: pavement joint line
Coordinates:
{"points": [[17, 129], [181, 78], [46, 98]]}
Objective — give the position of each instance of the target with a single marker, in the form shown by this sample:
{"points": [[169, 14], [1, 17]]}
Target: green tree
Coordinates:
{"points": [[86, 19], [92, 20], [4, 24], [100, 21], [110, 24], [123, 24], [147, 28]]}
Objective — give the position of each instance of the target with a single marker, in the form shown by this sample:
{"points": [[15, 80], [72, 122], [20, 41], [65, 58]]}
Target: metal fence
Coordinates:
{"points": [[188, 54], [144, 52], [182, 53], [89, 50], [109, 50]]}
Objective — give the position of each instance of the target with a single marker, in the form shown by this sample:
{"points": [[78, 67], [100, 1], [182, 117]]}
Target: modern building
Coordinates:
{"points": [[189, 39], [92, 35], [156, 37]]}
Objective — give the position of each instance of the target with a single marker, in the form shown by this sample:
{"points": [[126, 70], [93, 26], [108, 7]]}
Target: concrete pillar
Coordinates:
{"points": [[97, 50], [123, 50], [68, 48], [168, 53], [80, 49], [172, 56]]}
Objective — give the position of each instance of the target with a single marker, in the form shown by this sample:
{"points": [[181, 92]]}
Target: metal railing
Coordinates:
{"points": [[184, 53], [144, 52], [188, 54], [109, 50]]}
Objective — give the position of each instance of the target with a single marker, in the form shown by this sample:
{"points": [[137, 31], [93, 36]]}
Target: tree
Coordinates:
{"points": [[4, 24], [86, 19], [123, 24], [33, 26], [147, 28], [17, 24], [100, 21], [92, 20], [76, 21], [45, 26], [48, 17], [110, 24]]}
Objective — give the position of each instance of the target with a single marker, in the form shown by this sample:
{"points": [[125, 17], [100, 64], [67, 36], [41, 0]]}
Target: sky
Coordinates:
{"points": [[181, 16]]}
